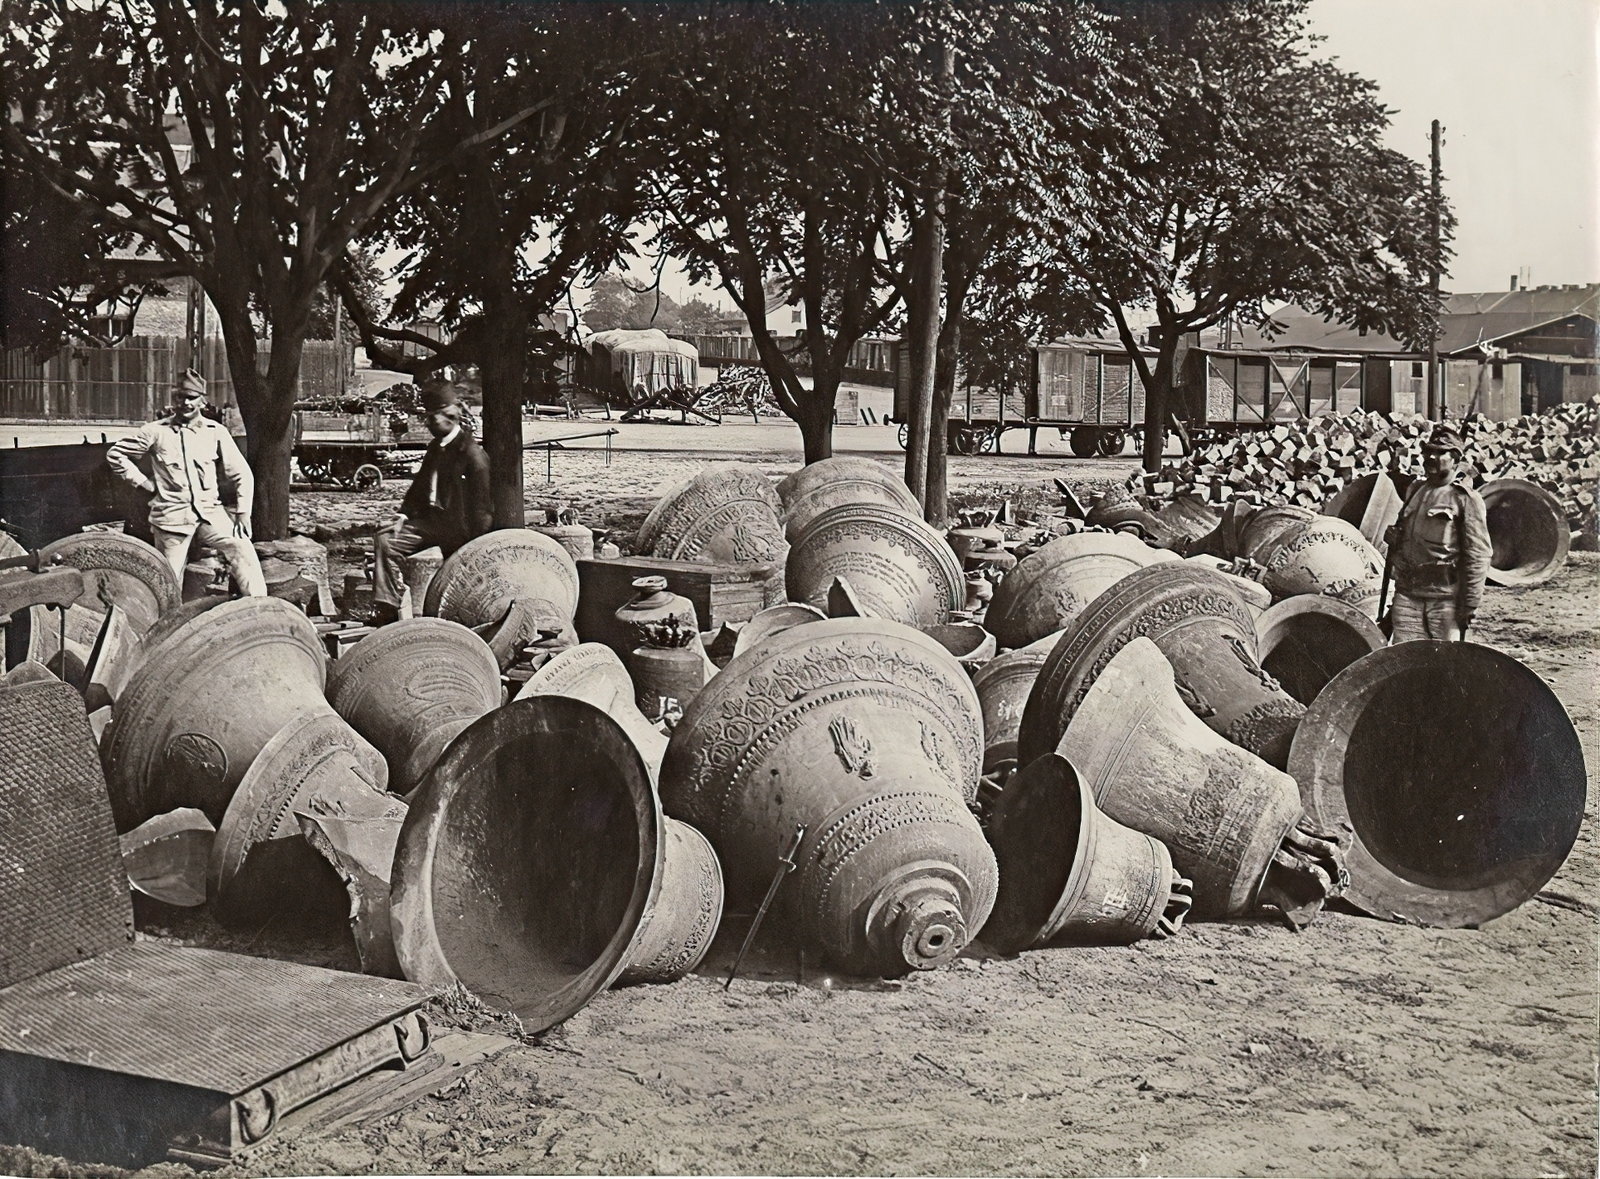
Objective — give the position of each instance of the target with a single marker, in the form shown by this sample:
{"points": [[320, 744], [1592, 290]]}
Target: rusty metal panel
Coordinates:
{"points": [[63, 892]]}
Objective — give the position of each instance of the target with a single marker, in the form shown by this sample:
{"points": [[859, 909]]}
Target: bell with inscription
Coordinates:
{"points": [[869, 734], [1071, 873], [192, 719], [726, 515], [535, 866], [1326, 556], [1233, 824], [410, 687], [1206, 632], [898, 566], [515, 581], [843, 479]]}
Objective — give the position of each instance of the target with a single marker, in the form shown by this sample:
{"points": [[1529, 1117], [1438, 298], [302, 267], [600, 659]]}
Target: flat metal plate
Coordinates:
{"points": [[201, 1018], [63, 891]]}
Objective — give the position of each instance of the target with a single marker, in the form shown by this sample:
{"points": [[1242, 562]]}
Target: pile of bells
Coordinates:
{"points": [[1117, 740]]}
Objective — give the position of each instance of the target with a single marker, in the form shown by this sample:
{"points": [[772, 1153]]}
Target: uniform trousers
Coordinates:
{"points": [[236, 551], [391, 546], [1423, 618]]}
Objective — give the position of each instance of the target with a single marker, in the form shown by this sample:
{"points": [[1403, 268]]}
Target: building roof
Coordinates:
{"points": [[1471, 320], [1306, 331]]}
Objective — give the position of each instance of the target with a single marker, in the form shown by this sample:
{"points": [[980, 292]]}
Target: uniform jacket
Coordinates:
{"points": [[1444, 545], [450, 498], [187, 466]]}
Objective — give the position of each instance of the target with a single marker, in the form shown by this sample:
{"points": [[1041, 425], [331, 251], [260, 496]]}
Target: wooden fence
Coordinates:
{"points": [[133, 381]]}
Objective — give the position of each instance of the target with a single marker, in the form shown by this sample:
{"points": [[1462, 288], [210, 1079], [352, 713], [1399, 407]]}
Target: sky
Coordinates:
{"points": [[1515, 84]]}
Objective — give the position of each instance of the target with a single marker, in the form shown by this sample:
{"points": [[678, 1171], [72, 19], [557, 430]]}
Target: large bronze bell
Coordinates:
{"points": [[1070, 872], [1206, 632], [773, 619], [1528, 531], [193, 718], [1231, 821], [591, 672], [897, 565], [727, 515], [514, 578], [869, 734], [1049, 588], [1328, 556], [1261, 530], [842, 479], [534, 866], [1371, 503], [1304, 642], [410, 687], [1457, 773]]}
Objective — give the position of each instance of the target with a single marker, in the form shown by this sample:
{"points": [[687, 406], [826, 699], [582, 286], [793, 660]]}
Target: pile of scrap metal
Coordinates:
{"points": [[804, 699]]}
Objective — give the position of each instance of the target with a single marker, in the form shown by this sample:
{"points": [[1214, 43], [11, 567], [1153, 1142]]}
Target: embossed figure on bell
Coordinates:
{"points": [[869, 734], [1233, 824], [1206, 632]]}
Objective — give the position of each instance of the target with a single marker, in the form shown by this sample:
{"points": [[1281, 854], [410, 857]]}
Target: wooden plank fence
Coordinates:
{"points": [[133, 381]]}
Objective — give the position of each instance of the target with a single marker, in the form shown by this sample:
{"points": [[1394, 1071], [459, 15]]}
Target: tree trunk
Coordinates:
{"points": [[1157, 400], [816, 411], [922, 334], [936, 508], [502, 366]]}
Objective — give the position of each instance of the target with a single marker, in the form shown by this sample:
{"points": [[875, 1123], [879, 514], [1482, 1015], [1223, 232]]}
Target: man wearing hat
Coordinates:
{"points": [[1440, 548], [182, 461], [447, 504]]}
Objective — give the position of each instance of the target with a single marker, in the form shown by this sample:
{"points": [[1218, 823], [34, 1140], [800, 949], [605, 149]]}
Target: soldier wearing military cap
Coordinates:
{"points": [[1440, 548], [182, 461], [447, 504]]}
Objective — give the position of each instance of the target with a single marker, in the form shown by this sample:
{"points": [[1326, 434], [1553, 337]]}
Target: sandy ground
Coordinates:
{"points": [[1357, 1047]]}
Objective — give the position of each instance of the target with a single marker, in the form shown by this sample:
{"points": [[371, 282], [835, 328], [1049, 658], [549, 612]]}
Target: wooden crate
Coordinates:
{"points": [[720, 593]]}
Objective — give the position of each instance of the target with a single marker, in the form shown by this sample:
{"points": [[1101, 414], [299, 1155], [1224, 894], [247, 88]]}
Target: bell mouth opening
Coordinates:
{"points": [[1309, 648], [1038, 831], [546, 858], [1526, 535], [1451, 784]]}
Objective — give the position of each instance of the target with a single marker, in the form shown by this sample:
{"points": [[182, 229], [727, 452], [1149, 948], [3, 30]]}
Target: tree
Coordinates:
{"points": [[615, 304], [226, 141], [774, 167], [368, 278], [497, 238], [1249, 173]]}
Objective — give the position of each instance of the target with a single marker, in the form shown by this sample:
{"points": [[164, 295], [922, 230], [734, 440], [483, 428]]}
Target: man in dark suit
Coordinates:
{"points": [[447, 504]]}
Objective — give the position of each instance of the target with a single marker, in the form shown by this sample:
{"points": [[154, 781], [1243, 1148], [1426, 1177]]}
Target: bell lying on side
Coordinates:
{"points": [[1071, 873], [1233, 824]]}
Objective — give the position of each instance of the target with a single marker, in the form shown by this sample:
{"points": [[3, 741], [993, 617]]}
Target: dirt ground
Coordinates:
{"points": [[1357, 1047]]}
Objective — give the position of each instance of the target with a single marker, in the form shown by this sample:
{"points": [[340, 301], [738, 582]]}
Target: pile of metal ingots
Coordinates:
{"points": [[1089, 729]]}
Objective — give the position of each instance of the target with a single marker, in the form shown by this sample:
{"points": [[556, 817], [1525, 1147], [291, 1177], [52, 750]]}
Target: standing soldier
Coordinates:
{"points": [[447, 504], [1440, 548], [189, 456]]}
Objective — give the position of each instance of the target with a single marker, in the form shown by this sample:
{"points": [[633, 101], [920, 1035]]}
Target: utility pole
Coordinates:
{"points": [[1435, 401]]}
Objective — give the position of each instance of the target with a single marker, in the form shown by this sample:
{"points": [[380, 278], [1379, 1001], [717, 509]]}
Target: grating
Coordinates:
{"points": [[63, 892], [202, 1018]]}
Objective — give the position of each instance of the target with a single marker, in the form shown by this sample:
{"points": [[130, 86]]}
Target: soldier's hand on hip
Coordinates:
{"points": [[241, 525]]}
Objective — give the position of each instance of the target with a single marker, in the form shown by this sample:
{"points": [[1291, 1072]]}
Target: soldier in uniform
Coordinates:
{"points": [[447, 504], [189, 457], [1440, 547]]}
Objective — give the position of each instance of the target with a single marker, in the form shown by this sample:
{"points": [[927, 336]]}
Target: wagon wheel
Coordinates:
{"points": [[904, 434], [966, 440], [367, 477], [1111, 442], [316, 470], [1083, 441], [991, 441]]}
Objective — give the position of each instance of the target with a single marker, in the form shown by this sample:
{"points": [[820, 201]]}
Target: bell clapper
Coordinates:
{"points": [[1307, 869]]}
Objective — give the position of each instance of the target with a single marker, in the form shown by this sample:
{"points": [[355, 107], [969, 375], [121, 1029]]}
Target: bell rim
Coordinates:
{"points": [[1509, 578], [1072, 888], [1374, 887], [411, 905]]}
